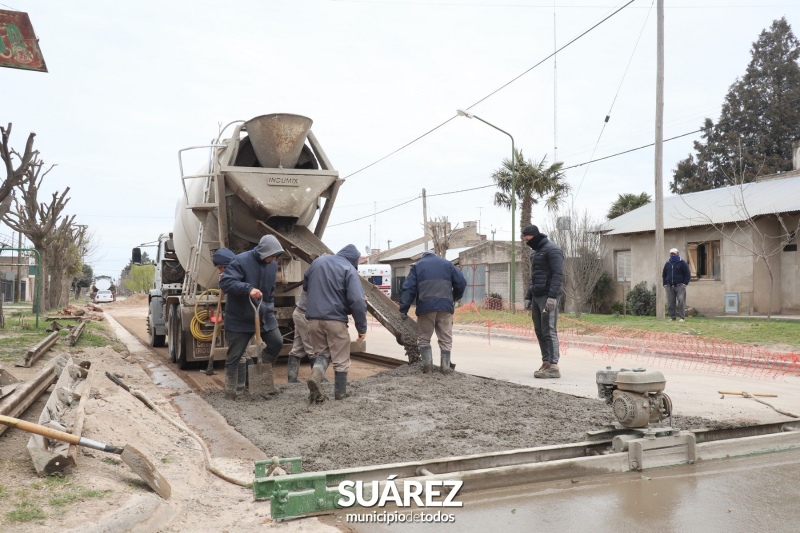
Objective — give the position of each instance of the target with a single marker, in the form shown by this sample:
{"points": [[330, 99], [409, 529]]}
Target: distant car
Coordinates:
{"points": [[103, 297]]}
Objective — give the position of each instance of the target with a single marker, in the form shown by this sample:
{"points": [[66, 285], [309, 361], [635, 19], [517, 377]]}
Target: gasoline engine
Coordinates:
{"points": [[635, 396]]}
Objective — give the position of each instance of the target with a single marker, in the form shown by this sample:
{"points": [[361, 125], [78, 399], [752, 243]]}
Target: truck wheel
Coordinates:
{"points": [[180, 347], [156, 341], [176, 341]]}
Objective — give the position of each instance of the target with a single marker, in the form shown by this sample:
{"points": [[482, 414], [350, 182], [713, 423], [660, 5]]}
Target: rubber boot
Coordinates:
{"points": [[311, 364], [316, 394], [231, 377], [427, 359], [540, 373], [292, 368], [241, 377], [340, 385], [445, 363]]}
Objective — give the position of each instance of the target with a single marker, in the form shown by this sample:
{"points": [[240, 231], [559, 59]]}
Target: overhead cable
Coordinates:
{"points": [[490, 94]]}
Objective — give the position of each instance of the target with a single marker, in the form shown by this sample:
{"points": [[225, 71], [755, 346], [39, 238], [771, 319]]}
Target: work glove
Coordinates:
{"points": [[404, 316], [550, 306], [527, 304]]}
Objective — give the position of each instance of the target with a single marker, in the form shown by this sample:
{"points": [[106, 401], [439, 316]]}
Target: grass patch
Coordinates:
{"points": [[63, 499], [98, 334], [26, 511], [751, 331], [757, 332], [94, 493], [54, 495], [110, 461]]}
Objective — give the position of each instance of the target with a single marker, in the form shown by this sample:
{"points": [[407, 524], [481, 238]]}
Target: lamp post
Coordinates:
{"points": [[463, 113]]}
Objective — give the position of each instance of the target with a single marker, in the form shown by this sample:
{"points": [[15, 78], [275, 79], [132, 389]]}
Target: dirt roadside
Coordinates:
{"points": [[102, 494]]}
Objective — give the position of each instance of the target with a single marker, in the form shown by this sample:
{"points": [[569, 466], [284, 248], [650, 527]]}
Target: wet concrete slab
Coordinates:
{"points": [[754, 493], [694, 391]]}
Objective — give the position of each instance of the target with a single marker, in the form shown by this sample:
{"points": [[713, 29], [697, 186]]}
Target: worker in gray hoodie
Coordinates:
{"points": [[250, 279], [334, 291]]}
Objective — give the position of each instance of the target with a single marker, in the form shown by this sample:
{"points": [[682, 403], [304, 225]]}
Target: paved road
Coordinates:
{"points": [[747, 494]]}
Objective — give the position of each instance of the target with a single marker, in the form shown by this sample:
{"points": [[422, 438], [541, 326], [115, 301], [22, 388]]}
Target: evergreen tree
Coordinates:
{"points": [[627, 202], [758, 123]]}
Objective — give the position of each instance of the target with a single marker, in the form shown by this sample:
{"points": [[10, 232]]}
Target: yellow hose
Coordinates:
{"points": [[200, 318]]}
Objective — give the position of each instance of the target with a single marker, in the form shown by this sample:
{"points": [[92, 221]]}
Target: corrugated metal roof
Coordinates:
{"points": [[451, 255], [724, 205]]}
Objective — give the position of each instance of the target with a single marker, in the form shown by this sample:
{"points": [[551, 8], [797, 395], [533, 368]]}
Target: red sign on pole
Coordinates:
{"points": [[19, 47]]}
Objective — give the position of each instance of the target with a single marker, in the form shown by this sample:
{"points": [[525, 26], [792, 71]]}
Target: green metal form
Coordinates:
{"points": [[296, 494], [299, 494]]}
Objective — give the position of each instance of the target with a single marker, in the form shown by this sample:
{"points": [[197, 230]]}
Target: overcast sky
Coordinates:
{"points": [[130, 84]]}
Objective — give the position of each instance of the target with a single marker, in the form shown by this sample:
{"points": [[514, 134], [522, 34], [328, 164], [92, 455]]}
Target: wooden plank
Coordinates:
{"points": [[27, 393], [38, 350], [75, 333], [64, 411]]}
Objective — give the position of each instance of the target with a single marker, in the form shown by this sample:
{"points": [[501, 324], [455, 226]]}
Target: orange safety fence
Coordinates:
{"points": [[666, 349]]}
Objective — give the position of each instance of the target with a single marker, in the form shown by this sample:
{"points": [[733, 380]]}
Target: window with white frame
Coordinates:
{"points": [[622, 260]]}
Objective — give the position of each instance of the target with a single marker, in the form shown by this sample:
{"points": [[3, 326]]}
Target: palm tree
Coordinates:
{"points": [[534, 182], [627, 202]]}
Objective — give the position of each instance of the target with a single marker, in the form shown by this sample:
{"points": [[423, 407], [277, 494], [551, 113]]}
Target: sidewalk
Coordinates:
{"points": [[694, 391]]}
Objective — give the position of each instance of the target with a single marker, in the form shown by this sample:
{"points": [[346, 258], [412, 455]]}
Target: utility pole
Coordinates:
{"points": [[370, 243], [659, 163], [389, 244], [425, 218], [18, 295]]}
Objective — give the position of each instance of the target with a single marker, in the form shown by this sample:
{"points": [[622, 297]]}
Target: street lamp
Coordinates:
{"points": [[463, 113]]}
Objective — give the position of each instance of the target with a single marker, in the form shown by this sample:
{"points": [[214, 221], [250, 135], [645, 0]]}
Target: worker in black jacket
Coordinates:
{"points": [[544, 290], [676, 276]]}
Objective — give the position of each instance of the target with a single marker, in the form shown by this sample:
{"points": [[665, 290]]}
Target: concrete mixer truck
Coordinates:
{"points": [[270, 176]]}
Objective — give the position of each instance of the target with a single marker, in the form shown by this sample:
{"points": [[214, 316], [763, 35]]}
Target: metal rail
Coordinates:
{"points": [[303, 494]]}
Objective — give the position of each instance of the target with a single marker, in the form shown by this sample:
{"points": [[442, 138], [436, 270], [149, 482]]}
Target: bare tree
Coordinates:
{"points": [[14, 176], [42, 224], [749, 231], [440, 235], [65, 262], [578, 237]]}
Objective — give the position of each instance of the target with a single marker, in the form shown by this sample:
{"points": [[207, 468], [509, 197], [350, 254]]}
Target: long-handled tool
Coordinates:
{"points": [[260, 378], [209, 371], [129, 455]]}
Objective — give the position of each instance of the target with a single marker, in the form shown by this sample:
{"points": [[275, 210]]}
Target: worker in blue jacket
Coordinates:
{"points": [[250, 278], [334, 291], [435, 284]]}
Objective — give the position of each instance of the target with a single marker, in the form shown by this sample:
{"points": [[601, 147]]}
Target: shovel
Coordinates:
{"points": [[209, 371], [260, 379], [129, 455]]}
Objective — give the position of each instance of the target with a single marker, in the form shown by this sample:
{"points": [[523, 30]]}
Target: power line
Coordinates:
{"points": [[373, 214], [614, 101], [631, 150], [494, 185], [491, 93]]}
